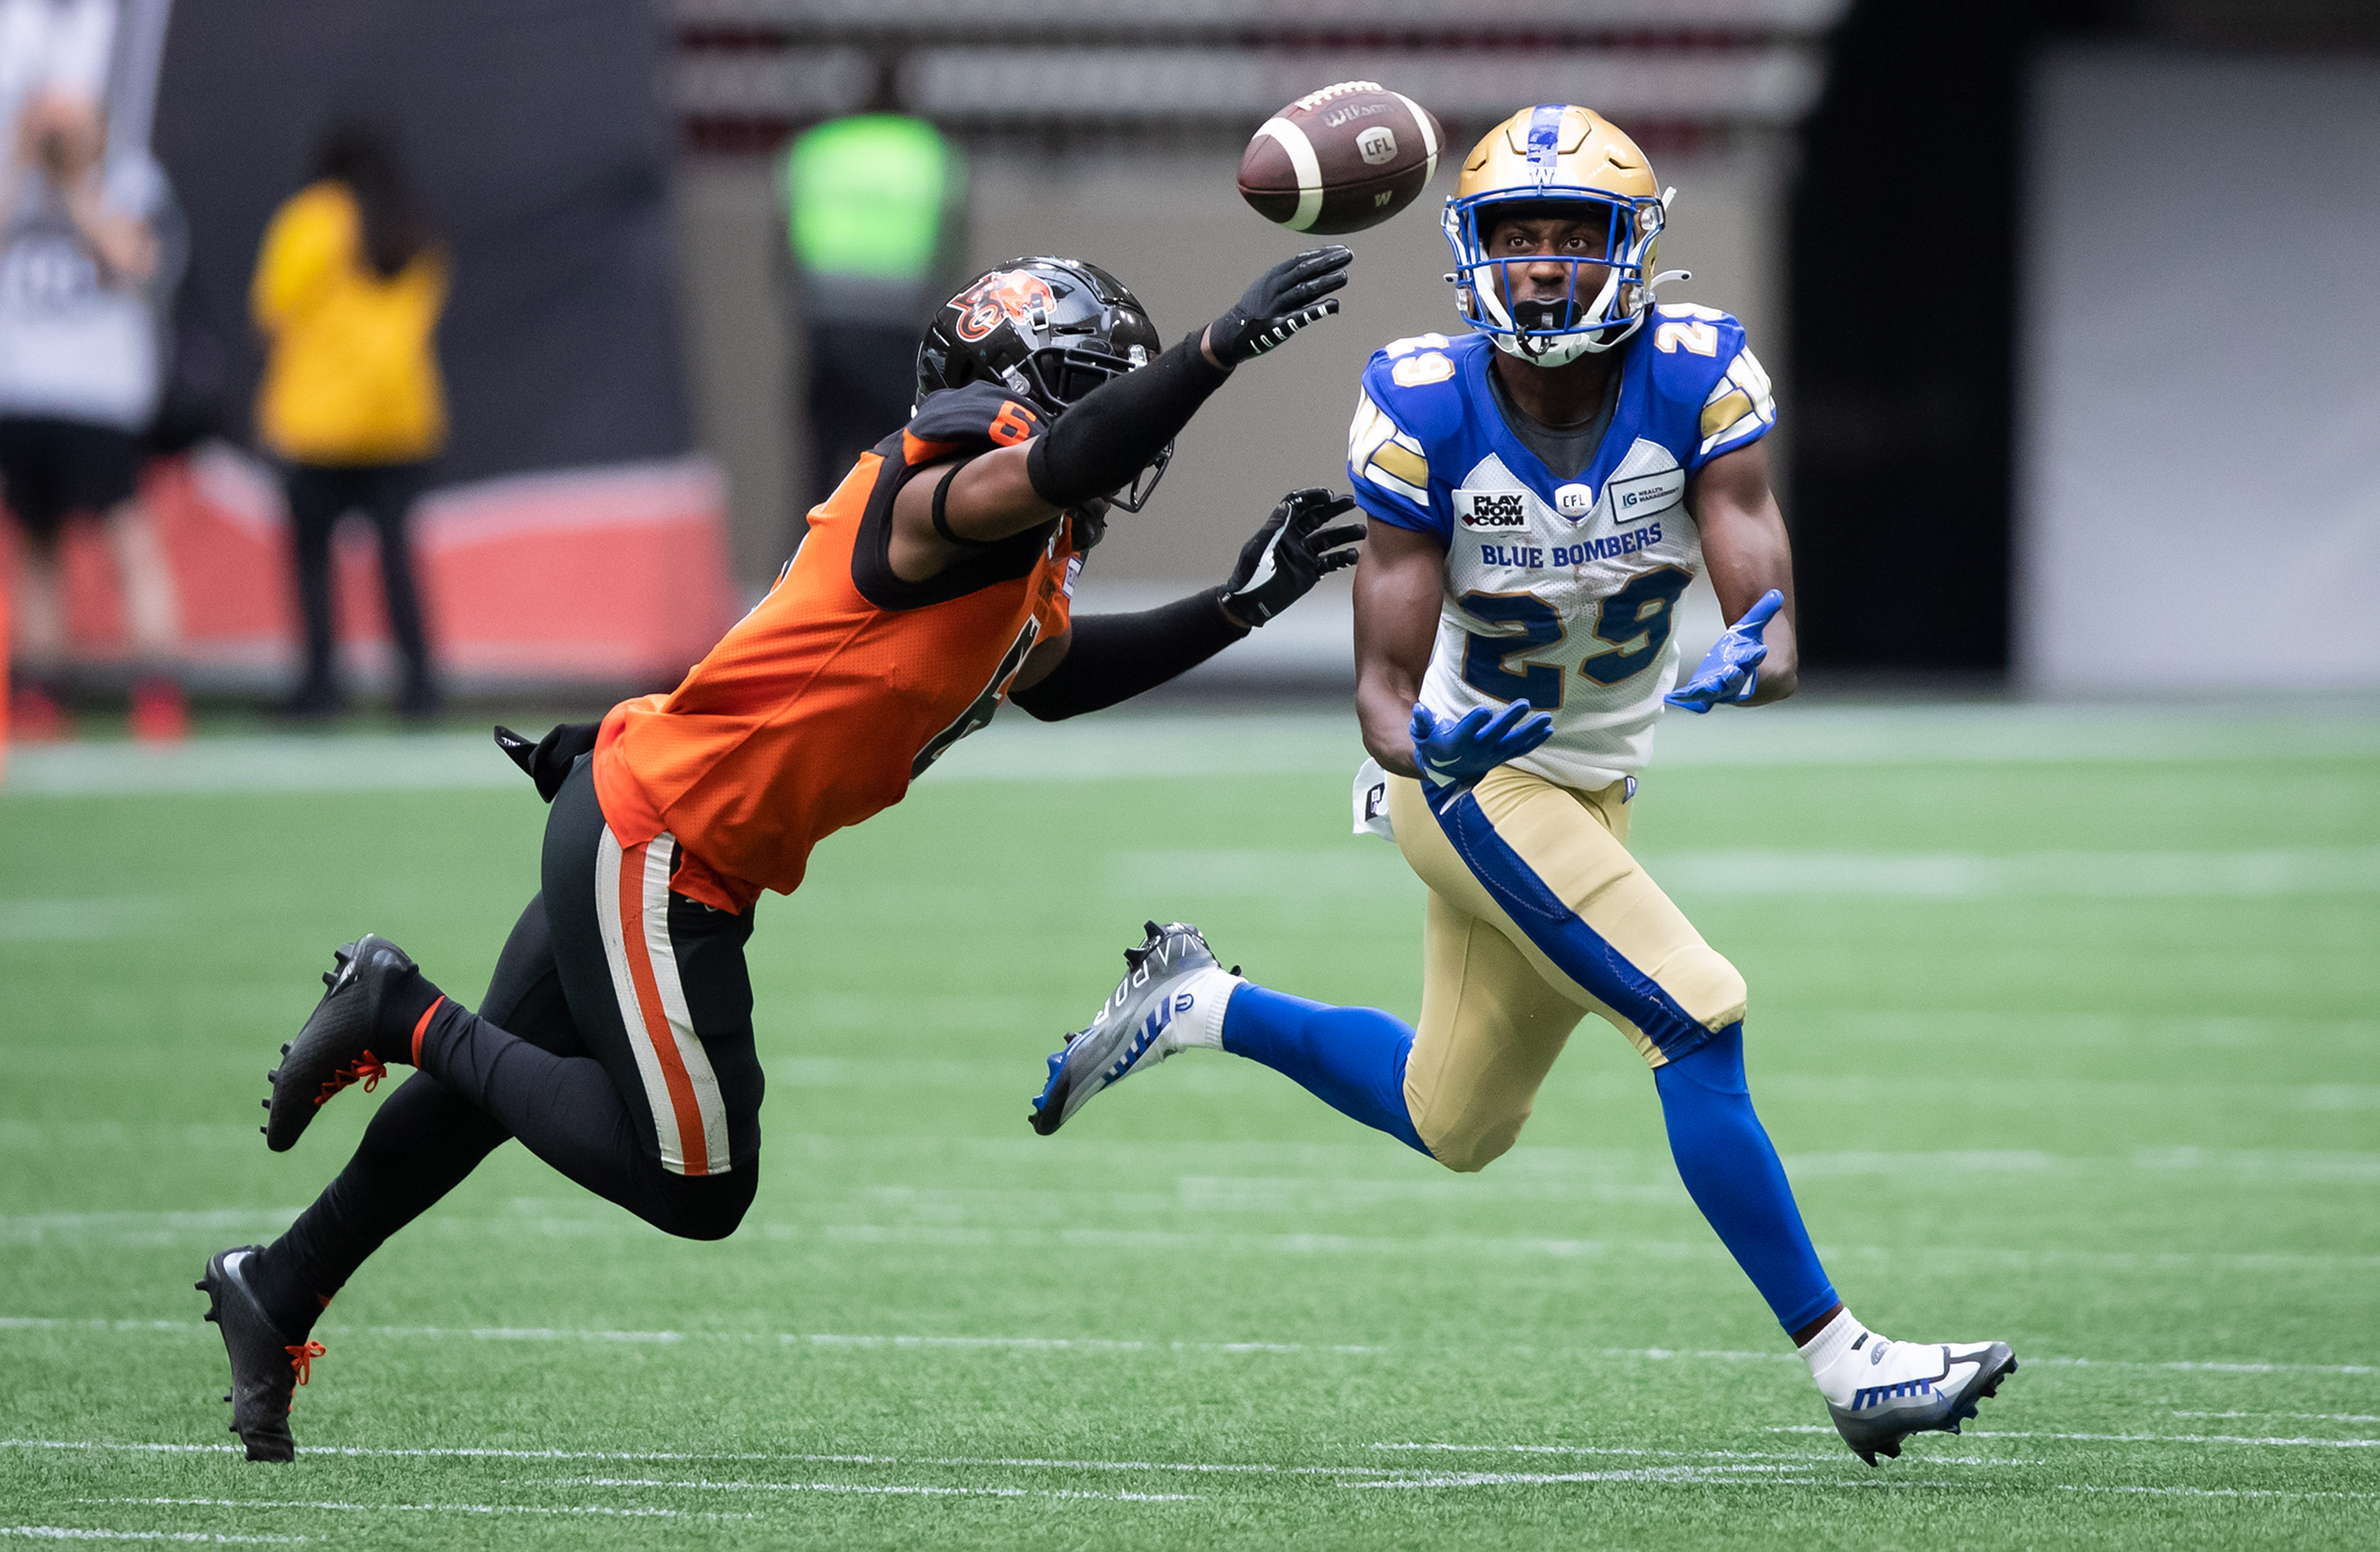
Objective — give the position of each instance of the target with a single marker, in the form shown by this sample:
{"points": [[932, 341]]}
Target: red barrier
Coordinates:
{"points": [[607, 576]]}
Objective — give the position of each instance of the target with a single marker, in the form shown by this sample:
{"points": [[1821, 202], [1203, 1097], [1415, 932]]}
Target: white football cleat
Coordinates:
{"points": [[1171, 998], [1879, 1392]]}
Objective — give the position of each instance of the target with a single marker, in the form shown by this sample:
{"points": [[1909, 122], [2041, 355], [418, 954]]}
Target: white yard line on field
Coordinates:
{"points": [[2242, 1365], [397, 1453], [1698, 1476], [79, 1533], [1633, 1473], [474, 1452], [666, 1338], [341, 1506], [897, 1489], [2302, 1416], [2125, 1439], [1804, 1456], [2218, 1492], [1040, 1463]]}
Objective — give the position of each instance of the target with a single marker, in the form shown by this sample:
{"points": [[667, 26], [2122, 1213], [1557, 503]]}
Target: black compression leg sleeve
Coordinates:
{"points": [[566, 1110], [421, 1143], [1115, 657], [1111, 433]]}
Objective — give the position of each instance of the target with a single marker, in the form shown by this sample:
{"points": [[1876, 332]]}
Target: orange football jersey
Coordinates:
{"points": [[821, 706]]}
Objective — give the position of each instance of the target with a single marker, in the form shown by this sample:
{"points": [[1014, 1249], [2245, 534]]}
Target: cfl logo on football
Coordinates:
{"points": [[1496, 510], [1376, 145]]}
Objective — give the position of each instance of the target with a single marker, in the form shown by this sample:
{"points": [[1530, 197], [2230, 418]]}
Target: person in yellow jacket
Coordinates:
{"points": [[348, 289]]}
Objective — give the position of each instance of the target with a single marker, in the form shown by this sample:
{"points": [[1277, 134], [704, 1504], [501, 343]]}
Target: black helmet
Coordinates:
{"points": [[1051, 330]]}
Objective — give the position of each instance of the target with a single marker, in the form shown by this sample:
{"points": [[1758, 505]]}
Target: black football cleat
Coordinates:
{"points": [[266, 1366], [337, 1046]]}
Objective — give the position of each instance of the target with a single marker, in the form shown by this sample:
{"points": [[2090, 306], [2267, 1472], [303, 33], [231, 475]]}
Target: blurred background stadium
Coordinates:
{"points": [[2054, 291]]}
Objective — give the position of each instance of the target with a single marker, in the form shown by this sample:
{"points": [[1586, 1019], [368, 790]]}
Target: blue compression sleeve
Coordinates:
{"points": [[1351, 1059], [1731, 1171]]}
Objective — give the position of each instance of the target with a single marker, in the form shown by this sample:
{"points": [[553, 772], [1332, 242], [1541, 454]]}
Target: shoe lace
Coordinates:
{"points": [[367, 1069], [302, 1356]]}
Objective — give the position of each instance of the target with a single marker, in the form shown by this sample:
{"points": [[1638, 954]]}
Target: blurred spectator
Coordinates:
{"points": [[875, 218], [80, 278], [349, 290]]}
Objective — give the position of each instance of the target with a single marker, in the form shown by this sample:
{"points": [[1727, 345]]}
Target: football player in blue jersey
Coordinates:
{"points": [[1541, 490]]}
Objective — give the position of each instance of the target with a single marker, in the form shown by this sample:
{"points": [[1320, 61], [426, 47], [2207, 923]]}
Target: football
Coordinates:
{"points": [[1340, 159]]}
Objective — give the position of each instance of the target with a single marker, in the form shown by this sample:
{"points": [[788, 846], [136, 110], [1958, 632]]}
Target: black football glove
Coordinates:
{"points": [[1281, 561], [1285, 299], [548, 761]]}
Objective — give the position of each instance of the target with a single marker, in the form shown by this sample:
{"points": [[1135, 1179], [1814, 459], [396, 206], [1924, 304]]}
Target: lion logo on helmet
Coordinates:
{"points": [[1016, 294]]}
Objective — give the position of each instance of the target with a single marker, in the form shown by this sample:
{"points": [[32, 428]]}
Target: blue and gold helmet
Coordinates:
{"points": [[1558, 159]]}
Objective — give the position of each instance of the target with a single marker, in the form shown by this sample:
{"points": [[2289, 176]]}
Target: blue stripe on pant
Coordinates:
{"points": [[1580, 951]]}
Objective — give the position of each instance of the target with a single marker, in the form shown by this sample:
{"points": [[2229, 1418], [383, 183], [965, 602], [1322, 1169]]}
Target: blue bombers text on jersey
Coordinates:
{"points": [[1562, 591]]}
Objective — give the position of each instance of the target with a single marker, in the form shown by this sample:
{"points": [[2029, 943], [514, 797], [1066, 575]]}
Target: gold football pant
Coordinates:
{"points": [[1539, 915]]}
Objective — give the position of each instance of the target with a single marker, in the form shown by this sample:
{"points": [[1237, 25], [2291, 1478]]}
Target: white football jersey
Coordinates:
{"points": [[1561, 592]]}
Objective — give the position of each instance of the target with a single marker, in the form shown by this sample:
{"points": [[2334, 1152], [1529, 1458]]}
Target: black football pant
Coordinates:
{"points": [[615, 1042]]}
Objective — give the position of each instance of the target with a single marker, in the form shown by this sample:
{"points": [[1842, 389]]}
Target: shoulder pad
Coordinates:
{"points": [[1701, 364], [1690, 345], [971, 419], [1415, 382]]}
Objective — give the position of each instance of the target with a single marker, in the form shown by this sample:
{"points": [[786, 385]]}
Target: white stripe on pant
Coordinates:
{"points": [[632, 902]]}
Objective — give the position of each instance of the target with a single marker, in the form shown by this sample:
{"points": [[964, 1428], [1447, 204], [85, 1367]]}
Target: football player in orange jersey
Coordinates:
{"points": [[935, 584]]}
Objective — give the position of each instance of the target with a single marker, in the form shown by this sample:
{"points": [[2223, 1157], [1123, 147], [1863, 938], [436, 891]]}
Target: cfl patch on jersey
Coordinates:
{"points": [[1561, 591]]}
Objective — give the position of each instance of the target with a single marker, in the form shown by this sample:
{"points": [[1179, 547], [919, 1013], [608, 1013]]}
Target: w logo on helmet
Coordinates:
{"points": [[1016, 294]]}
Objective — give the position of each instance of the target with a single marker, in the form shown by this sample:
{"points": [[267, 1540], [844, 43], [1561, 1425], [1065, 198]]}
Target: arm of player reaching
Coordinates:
{"points": [[1398, 584], [1110, 658], [1749, 559], [1109, 435]]}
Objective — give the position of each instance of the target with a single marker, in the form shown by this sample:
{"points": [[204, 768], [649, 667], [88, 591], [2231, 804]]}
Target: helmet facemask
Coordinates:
{"points": [[1555, 332]]}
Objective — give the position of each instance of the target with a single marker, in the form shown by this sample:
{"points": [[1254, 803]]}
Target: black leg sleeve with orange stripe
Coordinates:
{"points": [[661, 1111]]}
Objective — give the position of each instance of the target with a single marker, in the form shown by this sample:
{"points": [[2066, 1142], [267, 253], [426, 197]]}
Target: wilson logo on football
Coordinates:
{"points": [[1015, 295], [1501, 509]]}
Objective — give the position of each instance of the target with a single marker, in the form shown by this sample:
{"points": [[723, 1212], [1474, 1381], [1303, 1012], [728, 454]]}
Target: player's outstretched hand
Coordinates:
{"points": [[1281, 561], [1730, 670], [1458, 752], [1285, 298]]}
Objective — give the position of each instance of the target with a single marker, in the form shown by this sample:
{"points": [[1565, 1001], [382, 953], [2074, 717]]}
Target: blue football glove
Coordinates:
{"points": [[1457, 754], [1730, 670]]}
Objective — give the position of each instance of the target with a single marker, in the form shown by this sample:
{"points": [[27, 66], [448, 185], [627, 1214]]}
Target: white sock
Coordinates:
{"points": [[1823, 1351], [1201, 1024]]}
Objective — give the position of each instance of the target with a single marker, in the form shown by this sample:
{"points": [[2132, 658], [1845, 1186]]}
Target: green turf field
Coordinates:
{"points": [[2067, 1022]]}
